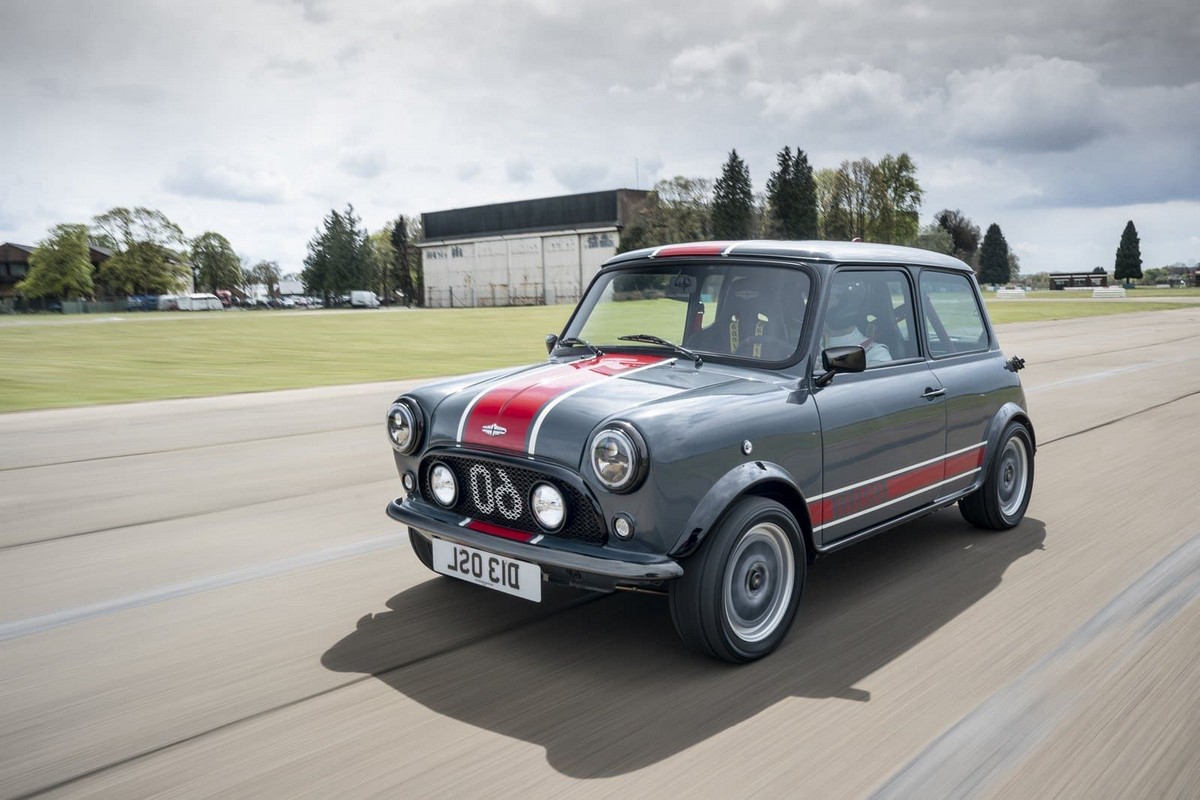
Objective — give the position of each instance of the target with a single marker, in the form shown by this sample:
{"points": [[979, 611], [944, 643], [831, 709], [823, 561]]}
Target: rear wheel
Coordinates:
{"points": [[738, 595], [1000, 503]]}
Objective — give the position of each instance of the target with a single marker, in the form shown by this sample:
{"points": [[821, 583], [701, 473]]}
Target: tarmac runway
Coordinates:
{"points": [[204, 598]]}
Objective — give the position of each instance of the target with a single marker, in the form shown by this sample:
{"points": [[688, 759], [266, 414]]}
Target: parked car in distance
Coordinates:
{"points": [[713, 417], [360, 298]]}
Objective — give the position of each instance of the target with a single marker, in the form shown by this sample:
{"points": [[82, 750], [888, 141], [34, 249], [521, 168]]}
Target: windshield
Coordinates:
{"points": [[731, 310]]}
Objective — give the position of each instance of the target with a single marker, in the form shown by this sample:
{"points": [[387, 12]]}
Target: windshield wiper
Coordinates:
{"points": [[652, 339], [575, 341]]}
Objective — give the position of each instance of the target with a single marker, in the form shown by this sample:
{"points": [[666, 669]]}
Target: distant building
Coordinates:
{"points": [[529, 252], [14, 264], [1067, 280]]}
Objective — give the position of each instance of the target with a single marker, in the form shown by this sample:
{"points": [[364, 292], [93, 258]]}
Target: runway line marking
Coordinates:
{"points": [[1108, 373], [57, 619], [989, 741]]}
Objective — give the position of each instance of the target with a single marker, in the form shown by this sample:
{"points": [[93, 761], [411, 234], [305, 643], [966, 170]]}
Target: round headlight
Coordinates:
{"points": [[443, 485], [617, 459], [404, 427], [549, 509]]}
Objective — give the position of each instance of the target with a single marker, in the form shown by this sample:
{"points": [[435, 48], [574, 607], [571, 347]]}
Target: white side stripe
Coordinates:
{"points": [[873, 509], [541, 417], [894, 473]]}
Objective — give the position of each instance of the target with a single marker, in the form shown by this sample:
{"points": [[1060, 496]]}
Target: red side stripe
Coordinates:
{"points": [[842, 504], [964, 462], [499, 530]]}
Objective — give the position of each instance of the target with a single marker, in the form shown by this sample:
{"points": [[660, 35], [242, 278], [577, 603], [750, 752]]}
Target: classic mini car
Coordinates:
{"points": [[712, 418]]}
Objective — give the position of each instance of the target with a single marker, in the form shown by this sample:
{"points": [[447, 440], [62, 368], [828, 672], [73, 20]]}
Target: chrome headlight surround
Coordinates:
{"points": [[548, 506], [443, 485], [405, 426], [619, 457]]}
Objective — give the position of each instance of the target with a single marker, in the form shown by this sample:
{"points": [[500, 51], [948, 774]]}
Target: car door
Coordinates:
{"points": [[966, 363], [883, 430]]}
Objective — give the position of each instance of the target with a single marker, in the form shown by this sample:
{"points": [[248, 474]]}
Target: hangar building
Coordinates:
{"points": [[529, 252]]}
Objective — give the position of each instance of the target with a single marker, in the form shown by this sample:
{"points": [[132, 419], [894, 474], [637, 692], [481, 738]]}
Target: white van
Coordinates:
{"points": [[364, 299], [199, 301]]}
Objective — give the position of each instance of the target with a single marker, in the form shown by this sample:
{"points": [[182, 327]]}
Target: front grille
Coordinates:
{"points": [[499, 493]]}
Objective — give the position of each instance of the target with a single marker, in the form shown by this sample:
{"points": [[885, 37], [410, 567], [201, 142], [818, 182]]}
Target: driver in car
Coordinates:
{"points": [[841, 328]]}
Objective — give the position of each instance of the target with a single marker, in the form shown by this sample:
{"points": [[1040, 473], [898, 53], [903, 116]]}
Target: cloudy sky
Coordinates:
{"points": [[1058, 120]]}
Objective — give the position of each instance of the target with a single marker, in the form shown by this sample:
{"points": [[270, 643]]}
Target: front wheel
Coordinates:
{"points": [[1000, 503], [738, 595]]}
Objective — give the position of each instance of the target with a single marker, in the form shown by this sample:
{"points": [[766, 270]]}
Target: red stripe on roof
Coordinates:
{"points": [[690, 250]]}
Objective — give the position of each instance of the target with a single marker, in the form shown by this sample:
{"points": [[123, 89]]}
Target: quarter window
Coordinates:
{"points": [[953, 318]]}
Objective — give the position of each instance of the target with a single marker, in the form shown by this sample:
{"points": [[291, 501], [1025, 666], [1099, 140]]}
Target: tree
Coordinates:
{"points": [[381, 257], [934, 237], [833, 203], [677, 209], [733, 200], [895, 200], [873, 202], [994, 267], [338, 260], [1129, 255], [215, 263], [146, 251], [963, 232], [792, 197], [406, 264], [266, 273], [60, 265]]}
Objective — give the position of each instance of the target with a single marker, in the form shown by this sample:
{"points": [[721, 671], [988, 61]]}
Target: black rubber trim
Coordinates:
{"points": [[636, 568]]}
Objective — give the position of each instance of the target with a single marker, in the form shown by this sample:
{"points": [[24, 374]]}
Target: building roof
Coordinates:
{"points": [[612, 208]]}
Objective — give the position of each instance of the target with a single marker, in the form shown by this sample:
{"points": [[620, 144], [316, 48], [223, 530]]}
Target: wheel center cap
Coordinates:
{"points": [[754, 580]]}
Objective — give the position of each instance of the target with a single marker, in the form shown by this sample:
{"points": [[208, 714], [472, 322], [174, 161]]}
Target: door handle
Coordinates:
{"points": [[933, 394]]}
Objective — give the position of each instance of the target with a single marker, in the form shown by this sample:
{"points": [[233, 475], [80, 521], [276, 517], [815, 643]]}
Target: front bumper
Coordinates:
{"points": [[623, 570]]}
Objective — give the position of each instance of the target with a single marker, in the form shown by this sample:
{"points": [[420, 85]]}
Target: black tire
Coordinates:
{"points": [[738, 595], [1000, 503], [422, 547]]}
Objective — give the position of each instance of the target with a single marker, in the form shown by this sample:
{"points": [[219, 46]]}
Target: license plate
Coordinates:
{"points": [[503, 574]]}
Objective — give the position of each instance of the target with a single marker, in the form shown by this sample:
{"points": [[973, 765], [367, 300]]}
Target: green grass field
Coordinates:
{"points": [[54, 361]]}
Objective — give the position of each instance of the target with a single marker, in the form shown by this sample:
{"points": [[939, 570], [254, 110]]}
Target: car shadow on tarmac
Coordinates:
{"points": [[607, 688]]}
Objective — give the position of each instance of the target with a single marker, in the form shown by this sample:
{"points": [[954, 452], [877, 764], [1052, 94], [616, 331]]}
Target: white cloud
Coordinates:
{"points": [[1028, 104], [866, 98], [519, 170], [581, 177], [1013, 113], [702, 67], [196, 178], [364, 163]]}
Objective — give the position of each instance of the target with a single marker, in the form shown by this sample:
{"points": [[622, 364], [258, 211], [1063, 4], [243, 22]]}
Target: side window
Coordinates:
{"points": [[953, 319], [871, 308]]}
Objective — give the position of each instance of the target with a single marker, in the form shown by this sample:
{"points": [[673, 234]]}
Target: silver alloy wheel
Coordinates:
{"points": [[759, 580], [1012, 471]]}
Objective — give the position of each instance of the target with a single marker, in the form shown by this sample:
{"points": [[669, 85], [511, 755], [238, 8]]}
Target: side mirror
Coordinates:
{"points": [[551, 340], [841, 359]]}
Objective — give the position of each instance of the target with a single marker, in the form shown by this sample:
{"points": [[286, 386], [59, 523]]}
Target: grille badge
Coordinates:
{"points": [[494, 430]]}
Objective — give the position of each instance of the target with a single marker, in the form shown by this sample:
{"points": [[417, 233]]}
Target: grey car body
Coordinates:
{"points": [[762, 442]]}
